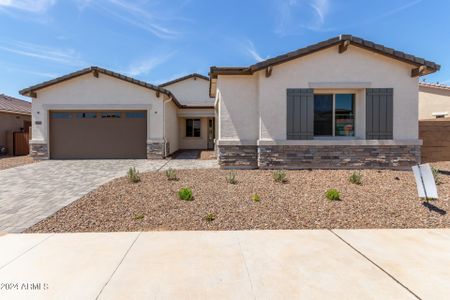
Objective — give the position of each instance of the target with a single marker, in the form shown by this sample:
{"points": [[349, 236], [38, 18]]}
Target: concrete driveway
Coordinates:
{"points": [[33, 192], [308, 264]]}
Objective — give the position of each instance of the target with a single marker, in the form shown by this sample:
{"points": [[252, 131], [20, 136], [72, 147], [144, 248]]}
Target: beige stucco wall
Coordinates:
{"points": [[89, 93], [249, 104], [193, 142], [433, 100], [10, 122], [238, 108], [192, 92], [171, 126]]}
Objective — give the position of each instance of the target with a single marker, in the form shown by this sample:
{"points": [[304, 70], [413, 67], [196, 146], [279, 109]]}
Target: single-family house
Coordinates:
{"points": [[15, 116], [434, 101], [342, 103], [97, 113]]}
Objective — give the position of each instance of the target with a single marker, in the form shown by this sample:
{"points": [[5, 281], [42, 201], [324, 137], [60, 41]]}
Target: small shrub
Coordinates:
{"points": [[231, 178], [333, 195], [133, 175], [436, 175], [280, 176], [185, 194], [356, 178], [171, 175], [256, 197], [210, 217], [139, 217]]}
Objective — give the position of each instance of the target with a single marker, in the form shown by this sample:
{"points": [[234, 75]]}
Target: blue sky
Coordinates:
{"points": [[157, 40]]}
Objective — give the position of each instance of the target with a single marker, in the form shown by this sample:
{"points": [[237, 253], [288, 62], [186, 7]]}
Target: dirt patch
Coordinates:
{"points": [[7, 162], [207, 155], [386, 199]]}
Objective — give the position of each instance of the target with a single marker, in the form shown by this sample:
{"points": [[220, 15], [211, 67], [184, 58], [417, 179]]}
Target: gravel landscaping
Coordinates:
{"points": [[7, 162], [385, 199]]}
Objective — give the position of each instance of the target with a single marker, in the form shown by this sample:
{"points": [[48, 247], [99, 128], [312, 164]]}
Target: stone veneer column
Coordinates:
{"points": [[238, 156], [155, 150], [39, 151]]}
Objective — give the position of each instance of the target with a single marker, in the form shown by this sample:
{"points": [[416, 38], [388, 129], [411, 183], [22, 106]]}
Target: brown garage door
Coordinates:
{"points": [[101, 134]]}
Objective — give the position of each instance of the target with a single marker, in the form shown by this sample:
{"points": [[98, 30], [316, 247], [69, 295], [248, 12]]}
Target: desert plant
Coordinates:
{"points": [[333, 195], [231, 178], [139, 217], [356, 178], [210, 217], [133, 175], [280, 176], [171, 174], [185, 194], [436, 175], [256, 197]]}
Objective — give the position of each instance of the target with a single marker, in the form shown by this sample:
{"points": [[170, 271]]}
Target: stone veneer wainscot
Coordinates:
{"points": [[335, 155]]}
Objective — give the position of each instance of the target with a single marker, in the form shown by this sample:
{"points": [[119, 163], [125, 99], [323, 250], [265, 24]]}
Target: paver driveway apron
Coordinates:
{"points": [[33, 192]]}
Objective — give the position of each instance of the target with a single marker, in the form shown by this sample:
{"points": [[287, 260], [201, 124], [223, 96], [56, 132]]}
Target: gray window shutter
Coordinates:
{"points": [[300, 114], [379, 114]]}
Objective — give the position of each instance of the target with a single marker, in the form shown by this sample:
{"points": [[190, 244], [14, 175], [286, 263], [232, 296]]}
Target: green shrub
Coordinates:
{"points": [[256, 197], [210, 217], [333, 195], [171, 174], [139, 217], [436, 175], [356, 178], [185, 194], [280, 176], [231, 178], [133, 175]]}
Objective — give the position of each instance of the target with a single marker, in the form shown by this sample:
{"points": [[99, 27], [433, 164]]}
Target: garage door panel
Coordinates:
{"points": [[75, 137]]}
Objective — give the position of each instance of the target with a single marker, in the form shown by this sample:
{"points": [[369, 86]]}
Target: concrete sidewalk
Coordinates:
{"points": [[308, 264]]}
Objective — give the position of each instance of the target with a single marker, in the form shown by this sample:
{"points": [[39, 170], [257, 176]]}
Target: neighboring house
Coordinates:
{"points": [[344, 102], [434, 101], [97, 113], [15, 116]]}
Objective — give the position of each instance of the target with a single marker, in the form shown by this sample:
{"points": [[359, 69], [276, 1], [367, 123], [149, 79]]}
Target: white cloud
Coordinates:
{"points": [[146, 65], [321, 7], [33, 6], [289, 22], [63, 56], [250, 49], [136, 15]]}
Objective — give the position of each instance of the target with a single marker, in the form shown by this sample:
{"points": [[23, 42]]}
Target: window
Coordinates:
{"points": [[86, 115], [135, 115], [61, 115], [334, 115], [110, 115], [192, 127], [344, 119]]}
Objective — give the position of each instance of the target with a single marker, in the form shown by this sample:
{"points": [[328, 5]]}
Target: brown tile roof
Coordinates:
{"points": [[352, 40], [434, 85], [93, 69], [193, 75], [14, 105]]}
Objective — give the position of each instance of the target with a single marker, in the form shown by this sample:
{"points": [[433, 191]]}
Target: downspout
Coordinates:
{"points": [[164, 124]]}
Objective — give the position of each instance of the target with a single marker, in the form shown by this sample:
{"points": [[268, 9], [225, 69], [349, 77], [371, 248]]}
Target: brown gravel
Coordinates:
{"points": [[7, 162], [386, 199]]}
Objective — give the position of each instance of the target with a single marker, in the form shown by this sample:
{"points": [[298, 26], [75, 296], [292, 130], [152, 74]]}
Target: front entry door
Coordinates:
{"points": [[211, 133]]}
